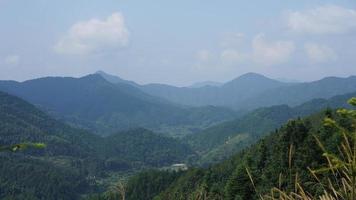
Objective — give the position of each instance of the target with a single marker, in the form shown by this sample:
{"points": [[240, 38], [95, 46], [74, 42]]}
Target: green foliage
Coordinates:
{"points": [[22, 177], [352, 101], [148, 184], [337, 177], [234, 189], [22, 146], [143, 146]]}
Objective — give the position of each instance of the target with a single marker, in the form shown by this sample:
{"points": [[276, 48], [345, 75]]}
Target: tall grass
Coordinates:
{"points": [[338, 178]]}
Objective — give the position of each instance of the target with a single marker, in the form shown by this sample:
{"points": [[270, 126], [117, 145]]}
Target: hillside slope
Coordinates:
{"points": [[93, 103], [268, 162], [72, 157], [221, 141]]}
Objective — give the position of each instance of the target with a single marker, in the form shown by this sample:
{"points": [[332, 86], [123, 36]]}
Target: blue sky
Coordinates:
{"points": [[177, 42]]}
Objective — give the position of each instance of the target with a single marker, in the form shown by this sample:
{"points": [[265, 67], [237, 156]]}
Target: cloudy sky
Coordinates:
{"points": [[178, 42]]}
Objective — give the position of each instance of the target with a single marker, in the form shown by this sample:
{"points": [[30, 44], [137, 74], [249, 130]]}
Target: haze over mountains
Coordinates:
{"points": [[95, 104], [250, 91], [105, 103], [204, 84]]}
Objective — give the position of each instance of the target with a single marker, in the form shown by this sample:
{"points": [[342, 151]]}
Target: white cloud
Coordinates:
{"points": [[232, 56], [94, 35], [270, 53], [319, 53], [323, 20], [12, 59]]}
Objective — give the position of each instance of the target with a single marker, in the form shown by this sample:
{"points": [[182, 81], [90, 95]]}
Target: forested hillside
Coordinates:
{"points": [[223, 140], [272, 162], [74, 162]]}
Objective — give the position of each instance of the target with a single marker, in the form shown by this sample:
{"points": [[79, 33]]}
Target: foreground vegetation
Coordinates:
{"points": [[338, 178]]}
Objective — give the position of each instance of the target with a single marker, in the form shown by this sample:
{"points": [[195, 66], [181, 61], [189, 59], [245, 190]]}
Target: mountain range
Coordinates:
{"points": [[102, 107], [104, 104], [251, 91], [100, 127]]}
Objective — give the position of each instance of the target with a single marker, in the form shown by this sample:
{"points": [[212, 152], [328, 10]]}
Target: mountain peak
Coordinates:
{"points": [[114, 79], [250, 78], [103, 74], [252, 83], [100, 72]]}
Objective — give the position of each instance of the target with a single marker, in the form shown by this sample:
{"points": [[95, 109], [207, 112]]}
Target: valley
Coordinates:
{"points": [[98, 148]]}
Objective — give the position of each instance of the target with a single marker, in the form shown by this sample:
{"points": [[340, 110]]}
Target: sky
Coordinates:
{"points": [[178, 42]]}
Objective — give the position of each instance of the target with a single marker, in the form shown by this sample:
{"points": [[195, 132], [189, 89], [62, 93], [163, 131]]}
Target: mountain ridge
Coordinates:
{"points": [[252, 90], [93, 103]]}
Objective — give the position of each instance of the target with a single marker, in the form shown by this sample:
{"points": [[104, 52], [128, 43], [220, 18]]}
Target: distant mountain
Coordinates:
{"points": [[204, 84], [95, 104], [73, 159], [221, 141], [251, 91], [298, 93], [115, 79], [229, 94]]}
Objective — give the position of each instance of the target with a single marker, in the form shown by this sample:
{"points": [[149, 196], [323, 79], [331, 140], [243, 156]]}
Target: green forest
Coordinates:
{"points": [[279, 161], [74, 161]]}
